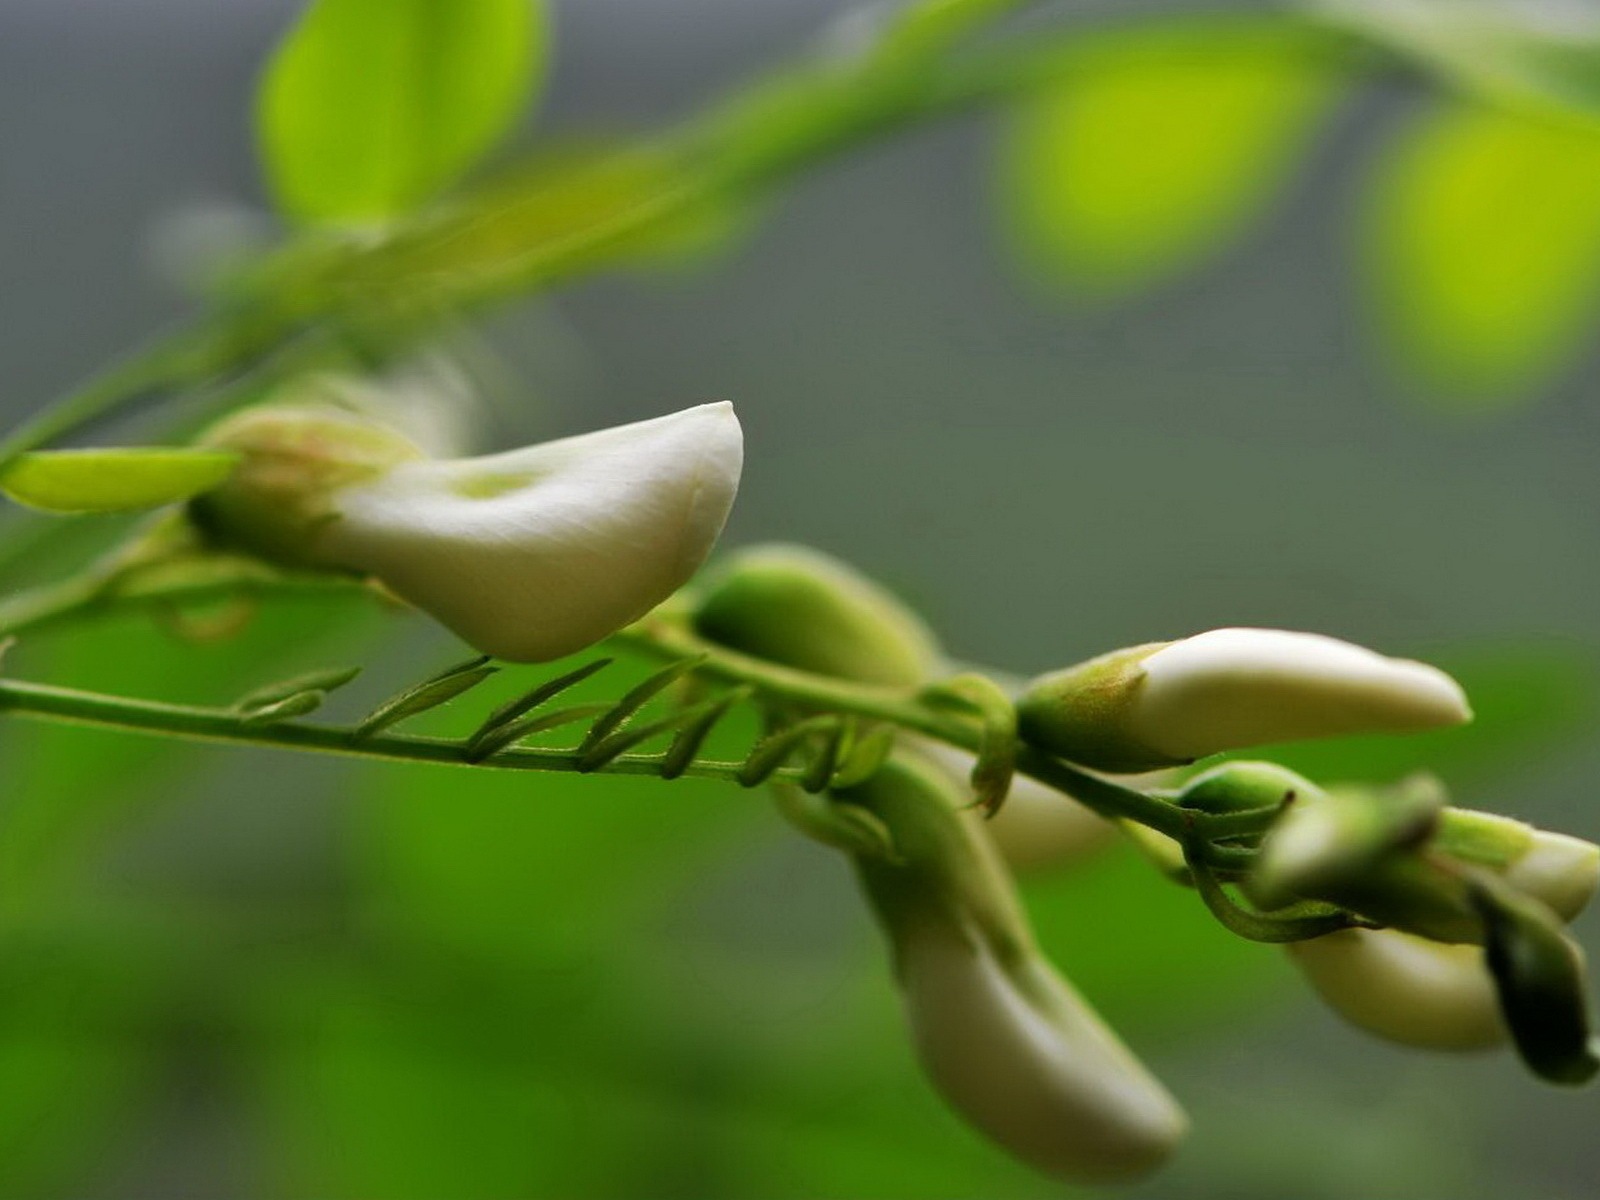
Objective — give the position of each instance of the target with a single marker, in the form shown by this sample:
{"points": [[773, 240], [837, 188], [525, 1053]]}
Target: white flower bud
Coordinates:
{"points": [[528, 555], [1168, 703], [1405, 988], [1038, 1071], [1559, 870], [1007, 1041]]}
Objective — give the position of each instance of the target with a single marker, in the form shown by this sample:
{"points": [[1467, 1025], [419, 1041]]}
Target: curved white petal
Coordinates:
{"points": [[1231, 688], [536, 553], [1560, 870], [1405, 988], [1039, 1073]]}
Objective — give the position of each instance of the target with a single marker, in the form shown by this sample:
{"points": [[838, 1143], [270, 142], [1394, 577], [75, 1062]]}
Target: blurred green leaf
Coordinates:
{"points": [[1528, 700], [120, 480], [1539, 53], [1160, 144], [68, 788], [1483, 236], [369, 107]]}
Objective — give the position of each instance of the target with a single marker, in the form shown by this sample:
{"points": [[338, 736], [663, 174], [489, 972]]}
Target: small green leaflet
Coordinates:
{"points": [[1157, 145], [119, 480], [1483, 243], [371, 107]]}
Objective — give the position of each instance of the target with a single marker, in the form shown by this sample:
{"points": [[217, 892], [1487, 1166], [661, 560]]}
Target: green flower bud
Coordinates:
{"points": [[804, 609], [1328, 841], [1168, 703], [1539, 975]]}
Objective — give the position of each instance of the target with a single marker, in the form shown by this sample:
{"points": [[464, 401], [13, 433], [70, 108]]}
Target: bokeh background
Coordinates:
{"points": [[234, 974]]}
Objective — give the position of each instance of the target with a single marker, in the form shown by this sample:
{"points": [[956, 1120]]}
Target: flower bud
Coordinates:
{"points": [[795, 606], [1037, 828], [1405, 988], [1560, 871], [1006, 1040], [1168, 703], [527, 555]]}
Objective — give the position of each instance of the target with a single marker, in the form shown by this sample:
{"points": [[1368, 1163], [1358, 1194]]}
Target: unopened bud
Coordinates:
{"points": [[804, 609], [1168, 703], [1328, 841], [528, 555], [1404, 988], [1538, 973], [1007, 1041]]}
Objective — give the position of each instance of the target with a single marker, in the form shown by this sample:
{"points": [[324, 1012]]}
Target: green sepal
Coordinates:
{"points": [[1538, 974], [124, 479]]}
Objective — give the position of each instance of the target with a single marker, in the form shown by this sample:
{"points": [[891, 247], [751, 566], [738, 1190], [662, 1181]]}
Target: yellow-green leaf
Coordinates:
{"points": [[370, 107], [119, 480], [1484, 242], [1158, 145]]}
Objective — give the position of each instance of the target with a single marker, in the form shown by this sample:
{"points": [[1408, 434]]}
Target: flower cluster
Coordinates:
{"points": [[1420, 922]]}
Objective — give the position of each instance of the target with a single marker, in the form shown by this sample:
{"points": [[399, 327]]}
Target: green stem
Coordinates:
{"points": [[44, 702]]}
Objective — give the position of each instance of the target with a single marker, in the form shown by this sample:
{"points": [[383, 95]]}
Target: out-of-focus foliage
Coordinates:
{"points": [[1160, 144], [370, 107], [1538, 53], [1483, 237]]}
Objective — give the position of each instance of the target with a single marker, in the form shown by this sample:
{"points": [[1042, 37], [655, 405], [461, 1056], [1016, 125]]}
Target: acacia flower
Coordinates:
{"points": [[1167, 703], [527, 555], [1001, 1034]]}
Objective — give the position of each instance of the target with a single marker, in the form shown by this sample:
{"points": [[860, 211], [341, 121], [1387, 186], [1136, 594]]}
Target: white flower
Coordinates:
{"points": [[1405, 988], [528, 555], [1035, 1069], [1168, 703], [1560, 870], [1441, 996], [1003, 1037]]}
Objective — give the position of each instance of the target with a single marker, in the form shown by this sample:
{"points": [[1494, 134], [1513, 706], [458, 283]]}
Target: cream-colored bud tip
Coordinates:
{"points": [[1231, 688]]}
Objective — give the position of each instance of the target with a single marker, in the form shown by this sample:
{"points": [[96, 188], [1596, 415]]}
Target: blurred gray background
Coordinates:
{"points": [[1048, 479]]}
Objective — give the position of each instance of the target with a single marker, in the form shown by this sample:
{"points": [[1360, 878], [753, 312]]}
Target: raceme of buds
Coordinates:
{"points": [[1168, 703], [528, 555], [1358, 848], [1405, 988], [1006, 1040], [796, 606]]}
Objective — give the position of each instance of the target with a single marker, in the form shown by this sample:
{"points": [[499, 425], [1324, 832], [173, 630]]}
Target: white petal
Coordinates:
{"points": [[1041, 1074], [1405, 988], [1231, 688], [536, 553], [1560, 870]]}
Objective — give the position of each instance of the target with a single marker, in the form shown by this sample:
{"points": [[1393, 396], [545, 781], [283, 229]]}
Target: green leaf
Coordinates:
{"points": [[1539, 54], [1159, 145], [430, 693], [120, 480], [371, 107], [1483, 239]]}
